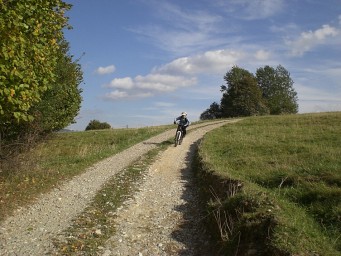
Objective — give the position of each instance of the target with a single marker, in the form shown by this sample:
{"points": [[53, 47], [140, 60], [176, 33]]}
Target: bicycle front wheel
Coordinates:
{"points": [[177, 138]]}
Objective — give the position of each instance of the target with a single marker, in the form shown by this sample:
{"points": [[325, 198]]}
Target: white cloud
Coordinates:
{"points": [[182, 73], [119, 95], [253, 10], [116, 95], [185, 19], [182, 31], [147, 86], [122, 83], [214, 62], [310, 39], [262, 55], [106, 70], [163, 82]]}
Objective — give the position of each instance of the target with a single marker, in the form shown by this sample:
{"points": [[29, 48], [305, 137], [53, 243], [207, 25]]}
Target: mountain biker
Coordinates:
{"points": [[183, 122]]}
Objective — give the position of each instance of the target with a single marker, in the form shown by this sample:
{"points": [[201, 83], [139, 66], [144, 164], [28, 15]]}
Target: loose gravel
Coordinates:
{"points": [[159, 220]]}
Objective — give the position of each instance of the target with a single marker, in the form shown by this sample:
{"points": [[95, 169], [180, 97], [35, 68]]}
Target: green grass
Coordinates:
{"points": [[290, 168], [275, 180], [59, 158]]}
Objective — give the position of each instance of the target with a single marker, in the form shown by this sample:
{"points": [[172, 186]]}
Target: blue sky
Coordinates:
{"points": [[146, 61]]}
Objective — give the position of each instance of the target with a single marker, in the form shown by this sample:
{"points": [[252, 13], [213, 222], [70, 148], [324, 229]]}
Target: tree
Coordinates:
{"points": [[213, 112], [241, 96], [61, 102], [97, 125], [277, 90], [30, 31]]}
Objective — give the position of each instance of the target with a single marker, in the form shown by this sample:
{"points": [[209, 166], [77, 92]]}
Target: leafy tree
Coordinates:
{"points": [[60, 104], [277, 89], [214, 111], [241, 96], [30, 31], [97, 125]]}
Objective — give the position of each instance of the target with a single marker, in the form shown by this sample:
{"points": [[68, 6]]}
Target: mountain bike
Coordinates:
{"points": [[178, 136]]}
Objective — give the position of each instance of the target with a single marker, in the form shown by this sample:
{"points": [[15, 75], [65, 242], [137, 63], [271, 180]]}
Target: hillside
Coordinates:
{"points": [[271, 185], [276, 184]]}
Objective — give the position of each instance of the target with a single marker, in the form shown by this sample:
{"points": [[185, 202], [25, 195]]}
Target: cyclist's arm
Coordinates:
{"points": [[187, 123]]}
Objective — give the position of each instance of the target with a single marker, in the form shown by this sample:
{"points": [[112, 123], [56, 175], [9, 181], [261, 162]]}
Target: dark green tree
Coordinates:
{"points": [[241, 95], [97, 125], [277, 90], [213, 112]]}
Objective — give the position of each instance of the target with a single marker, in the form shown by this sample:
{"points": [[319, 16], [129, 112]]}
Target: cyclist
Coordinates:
{"points": [[182, 121]]}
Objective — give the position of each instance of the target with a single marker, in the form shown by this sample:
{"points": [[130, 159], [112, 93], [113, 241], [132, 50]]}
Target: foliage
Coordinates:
{"points": [[60, 104], [242, 96], [214, 111], [30, 31], [278, 91], [97, 125], [272, 93], [289, 166]]}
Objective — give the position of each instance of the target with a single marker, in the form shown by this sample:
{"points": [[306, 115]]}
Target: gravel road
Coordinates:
{"points": [[160, 220]]}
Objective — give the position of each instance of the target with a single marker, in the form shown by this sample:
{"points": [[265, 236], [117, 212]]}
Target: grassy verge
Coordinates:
{"points": [[275, 184], [91, 229], [59, 158]]}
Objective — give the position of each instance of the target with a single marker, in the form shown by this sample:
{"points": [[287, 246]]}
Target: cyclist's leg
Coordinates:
{"points": [[183, 132]]}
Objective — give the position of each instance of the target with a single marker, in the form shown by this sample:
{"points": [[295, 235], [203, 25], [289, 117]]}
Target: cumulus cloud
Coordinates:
{"points": [[163, 82], [106, 70], [122, 83], [311, 39], [213, 62], [147, 86], [181, 73]]}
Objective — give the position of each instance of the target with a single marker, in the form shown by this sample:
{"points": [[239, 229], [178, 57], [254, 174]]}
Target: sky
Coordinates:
{"points": [[146, 61]]}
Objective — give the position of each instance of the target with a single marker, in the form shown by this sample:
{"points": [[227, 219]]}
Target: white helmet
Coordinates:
{"points": [[184, 114]]}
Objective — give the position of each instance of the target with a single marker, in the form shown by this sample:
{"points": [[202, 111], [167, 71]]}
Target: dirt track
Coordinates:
{"points": [[160, 220]]}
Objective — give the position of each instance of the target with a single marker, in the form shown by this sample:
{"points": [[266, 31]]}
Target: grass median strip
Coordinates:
{"points": [[96, 224]]}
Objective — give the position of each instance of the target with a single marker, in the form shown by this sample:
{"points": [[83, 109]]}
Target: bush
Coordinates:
{"points": [[97, 125]]}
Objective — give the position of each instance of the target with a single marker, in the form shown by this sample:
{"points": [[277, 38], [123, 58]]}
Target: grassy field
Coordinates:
{"points": [[275, 184], [59, 158]]}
